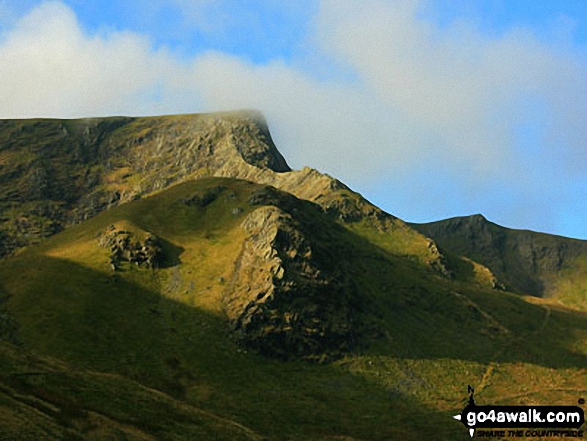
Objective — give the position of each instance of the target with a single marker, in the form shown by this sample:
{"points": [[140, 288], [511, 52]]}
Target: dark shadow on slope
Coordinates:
{"points": [[102, 322], [170, 254], [47, 399]]}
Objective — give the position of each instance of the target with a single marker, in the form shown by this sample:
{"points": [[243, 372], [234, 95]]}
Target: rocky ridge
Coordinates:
{"points": [[124, 246]]}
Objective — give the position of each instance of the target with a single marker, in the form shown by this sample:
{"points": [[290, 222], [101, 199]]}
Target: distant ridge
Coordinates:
{"points": [[525, 261]]}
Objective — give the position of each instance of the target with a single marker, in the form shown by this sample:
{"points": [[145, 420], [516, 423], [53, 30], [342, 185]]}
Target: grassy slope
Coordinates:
{"points": [[42, 398], [165, 330]]}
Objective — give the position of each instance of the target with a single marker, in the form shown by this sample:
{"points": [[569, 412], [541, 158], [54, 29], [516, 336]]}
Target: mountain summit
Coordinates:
{"points": [[58, 172]]}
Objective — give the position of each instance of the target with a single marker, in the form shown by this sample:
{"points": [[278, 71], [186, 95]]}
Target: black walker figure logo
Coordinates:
{"points": [[470, 405]]}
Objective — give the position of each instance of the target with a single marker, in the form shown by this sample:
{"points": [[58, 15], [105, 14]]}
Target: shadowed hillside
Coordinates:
{"points": [[523, 261]]}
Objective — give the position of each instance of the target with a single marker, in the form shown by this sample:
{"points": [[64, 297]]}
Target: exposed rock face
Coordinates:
{"points": [[523, 261], [284, 300], [262, 154], [125, 247], [438, 262]]}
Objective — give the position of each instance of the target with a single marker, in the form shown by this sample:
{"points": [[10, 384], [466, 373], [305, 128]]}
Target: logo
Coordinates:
{"points": [[544, 420]]}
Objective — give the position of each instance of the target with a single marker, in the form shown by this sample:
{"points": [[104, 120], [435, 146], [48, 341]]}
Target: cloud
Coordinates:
{"points": [[49, 67], [447, 120], [328, 125], [470, 90]]}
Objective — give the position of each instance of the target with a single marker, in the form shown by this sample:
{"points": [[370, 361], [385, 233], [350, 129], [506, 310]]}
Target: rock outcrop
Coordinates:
{"points": [[124, 246], [285, 298]]}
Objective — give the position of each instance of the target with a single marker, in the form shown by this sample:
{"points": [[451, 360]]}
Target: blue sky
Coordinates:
{"points": [[430, 109]]}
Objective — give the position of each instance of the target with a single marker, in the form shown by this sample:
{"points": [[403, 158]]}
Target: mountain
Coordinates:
{"points": [[194, 287], [523, 261], [55, 173]]}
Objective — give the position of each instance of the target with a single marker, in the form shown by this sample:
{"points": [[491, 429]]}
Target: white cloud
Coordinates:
{"points": [[330, 126], [49, 67], [425, 109]]}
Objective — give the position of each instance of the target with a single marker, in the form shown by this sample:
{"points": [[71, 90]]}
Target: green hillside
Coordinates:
{"points": [[377, 345], [42, 398], [524, 261]]}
